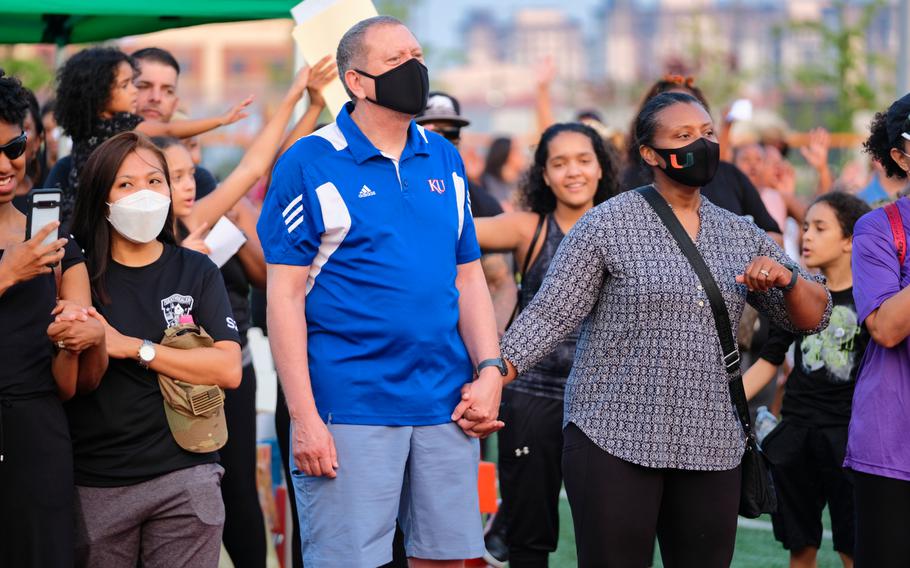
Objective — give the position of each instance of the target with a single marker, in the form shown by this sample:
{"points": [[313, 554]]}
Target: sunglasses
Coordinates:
{"points": [[450, 134], [15, 147]]}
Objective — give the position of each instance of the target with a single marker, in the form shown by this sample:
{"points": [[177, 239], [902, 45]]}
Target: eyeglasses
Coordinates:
{"points": [[15, 147], [906, 129]]}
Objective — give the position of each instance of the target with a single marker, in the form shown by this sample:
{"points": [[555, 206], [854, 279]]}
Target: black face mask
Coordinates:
{"points": [[694, 164], [404, 89]]}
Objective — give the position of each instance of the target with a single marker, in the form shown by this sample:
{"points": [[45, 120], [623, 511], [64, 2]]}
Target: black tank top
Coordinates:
{"points": [[548, 377]]}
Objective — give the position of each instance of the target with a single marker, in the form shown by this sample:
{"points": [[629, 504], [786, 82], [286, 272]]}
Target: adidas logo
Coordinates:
{"points": [[366, 192]]}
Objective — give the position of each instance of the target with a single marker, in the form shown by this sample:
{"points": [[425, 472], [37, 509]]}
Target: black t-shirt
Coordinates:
{"points": [[120, 434], [26, 351], [482, 203], [819, 391], [730, 189]]}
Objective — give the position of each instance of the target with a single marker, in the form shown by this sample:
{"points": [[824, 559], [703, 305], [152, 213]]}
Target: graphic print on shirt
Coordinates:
{"points": [[174, 306], [833, 348]]}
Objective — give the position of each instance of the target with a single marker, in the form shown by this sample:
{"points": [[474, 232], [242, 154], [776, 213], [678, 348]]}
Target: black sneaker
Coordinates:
{"points": [[497, 553]]}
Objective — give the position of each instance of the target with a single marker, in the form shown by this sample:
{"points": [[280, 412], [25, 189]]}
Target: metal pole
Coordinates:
{"points": [[903, 48]]}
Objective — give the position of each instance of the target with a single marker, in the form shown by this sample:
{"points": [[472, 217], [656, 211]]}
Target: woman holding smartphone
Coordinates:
{"points": [[43, 361]]}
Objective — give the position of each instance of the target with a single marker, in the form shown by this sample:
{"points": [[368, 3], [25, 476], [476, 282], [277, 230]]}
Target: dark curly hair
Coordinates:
{"points": [[534, 193], [847, 208], [84, 86], [13, 100], [886, 133]]}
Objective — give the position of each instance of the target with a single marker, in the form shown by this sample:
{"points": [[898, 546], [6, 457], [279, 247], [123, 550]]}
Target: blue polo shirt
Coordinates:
{"points": [[383, 240]]}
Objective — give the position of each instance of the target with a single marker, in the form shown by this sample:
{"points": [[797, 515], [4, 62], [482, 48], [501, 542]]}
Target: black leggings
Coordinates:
{"points": [[244, 527], [618, 508], [530, 476], [882, 521]]}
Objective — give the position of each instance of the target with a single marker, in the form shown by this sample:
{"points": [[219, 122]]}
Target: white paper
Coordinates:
{"points": [[320, 25], [224, 240]]}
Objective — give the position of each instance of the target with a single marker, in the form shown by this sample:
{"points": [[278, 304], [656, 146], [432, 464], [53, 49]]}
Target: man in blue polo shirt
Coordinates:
{"points": [[379, 319]]}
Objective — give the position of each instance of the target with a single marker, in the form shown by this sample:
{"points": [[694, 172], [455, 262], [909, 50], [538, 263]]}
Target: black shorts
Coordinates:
{"points": [[807, 465]]}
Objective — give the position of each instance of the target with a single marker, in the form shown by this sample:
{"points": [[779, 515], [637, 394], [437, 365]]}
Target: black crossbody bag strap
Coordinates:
{"points": [[718, 306], [524, 269]]}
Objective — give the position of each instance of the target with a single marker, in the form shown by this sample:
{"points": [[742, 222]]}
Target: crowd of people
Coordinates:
{"points": [[587, 303]]}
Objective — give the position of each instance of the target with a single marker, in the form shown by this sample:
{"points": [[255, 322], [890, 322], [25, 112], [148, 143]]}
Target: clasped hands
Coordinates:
{"points": [[477, 413], [75, 328]]}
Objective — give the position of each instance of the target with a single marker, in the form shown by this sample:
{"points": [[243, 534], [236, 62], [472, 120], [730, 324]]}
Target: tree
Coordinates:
{"points": [[847, 75]]}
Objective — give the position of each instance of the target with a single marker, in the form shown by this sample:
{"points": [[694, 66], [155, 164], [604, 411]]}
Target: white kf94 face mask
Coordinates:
{"points": [[140, 216]]}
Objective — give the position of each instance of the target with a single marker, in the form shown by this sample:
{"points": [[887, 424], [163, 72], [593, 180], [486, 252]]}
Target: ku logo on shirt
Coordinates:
{"points": [[437, 185]]}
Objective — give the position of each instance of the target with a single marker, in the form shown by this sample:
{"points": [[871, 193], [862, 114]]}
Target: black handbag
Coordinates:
{"points": [[757, 495]]}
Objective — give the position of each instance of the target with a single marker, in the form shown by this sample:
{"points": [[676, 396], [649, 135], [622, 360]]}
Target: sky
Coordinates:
{"points": [[437, 22]]}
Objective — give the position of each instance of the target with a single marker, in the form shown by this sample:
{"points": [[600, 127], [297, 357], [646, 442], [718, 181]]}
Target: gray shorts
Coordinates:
{"points": [[425, 476], [173, 520]]}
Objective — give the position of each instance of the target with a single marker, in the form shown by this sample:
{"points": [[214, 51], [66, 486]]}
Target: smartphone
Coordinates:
{"points": [[43, 208]]}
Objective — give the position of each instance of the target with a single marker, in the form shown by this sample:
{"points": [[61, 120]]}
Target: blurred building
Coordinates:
{"points": [[760, 39]]}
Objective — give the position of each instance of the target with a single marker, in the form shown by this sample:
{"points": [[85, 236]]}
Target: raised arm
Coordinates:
{"points": [[254, 164], [194, 127], [543, 104], [570, 290], [320, 75], [245, 215]]}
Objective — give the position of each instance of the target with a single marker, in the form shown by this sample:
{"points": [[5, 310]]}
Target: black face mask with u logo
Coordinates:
{"points": [[404, 89], [694, 164]]}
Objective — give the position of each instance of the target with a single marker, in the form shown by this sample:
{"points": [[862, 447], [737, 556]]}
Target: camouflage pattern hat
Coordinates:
{"points": [[195, 413]]}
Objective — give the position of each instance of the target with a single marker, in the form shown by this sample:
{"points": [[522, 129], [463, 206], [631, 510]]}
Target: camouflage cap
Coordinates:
{"points": [[195, 413]]}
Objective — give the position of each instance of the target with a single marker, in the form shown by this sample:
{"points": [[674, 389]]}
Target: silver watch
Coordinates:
{"points": [[146, 353]]}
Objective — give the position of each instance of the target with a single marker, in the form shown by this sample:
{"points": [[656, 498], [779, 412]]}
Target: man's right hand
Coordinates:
{"points": [[314, 447]]}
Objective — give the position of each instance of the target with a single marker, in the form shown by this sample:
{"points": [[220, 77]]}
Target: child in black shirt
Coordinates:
{"points": [[807, 448]]}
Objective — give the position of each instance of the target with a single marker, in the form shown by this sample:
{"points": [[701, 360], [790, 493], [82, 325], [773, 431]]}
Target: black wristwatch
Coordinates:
{"points": [[794, 270], [498, 362]]}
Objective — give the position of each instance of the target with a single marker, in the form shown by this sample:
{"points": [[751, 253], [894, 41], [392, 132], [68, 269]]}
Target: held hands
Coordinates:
{"points": [[237, 112], [24, 261], [73, 329], [763, 274], [478, 410], [314, 447], [324, 72]]}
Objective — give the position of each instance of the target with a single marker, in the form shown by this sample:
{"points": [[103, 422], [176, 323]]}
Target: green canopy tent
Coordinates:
{"points": [[62, 22]]}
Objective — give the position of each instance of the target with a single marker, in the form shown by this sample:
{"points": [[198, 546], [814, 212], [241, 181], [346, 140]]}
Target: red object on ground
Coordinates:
{"points": [[489, 503], [278, 531]]}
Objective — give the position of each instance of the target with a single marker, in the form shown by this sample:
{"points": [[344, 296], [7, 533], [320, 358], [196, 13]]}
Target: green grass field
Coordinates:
{"points": [[755, 544]]}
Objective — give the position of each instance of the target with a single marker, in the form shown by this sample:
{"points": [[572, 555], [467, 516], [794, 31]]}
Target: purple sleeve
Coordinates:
{"points": [[876, 271]]}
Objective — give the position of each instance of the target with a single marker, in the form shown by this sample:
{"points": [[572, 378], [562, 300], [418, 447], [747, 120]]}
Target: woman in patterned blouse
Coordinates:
{"points": [[652, 444]]}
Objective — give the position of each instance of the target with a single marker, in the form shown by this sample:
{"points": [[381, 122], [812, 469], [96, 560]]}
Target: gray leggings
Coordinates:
{"points": [[172, 521]]}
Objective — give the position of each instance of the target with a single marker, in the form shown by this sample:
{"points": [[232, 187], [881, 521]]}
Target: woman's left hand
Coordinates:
{"points": [[763, 274], [76, 335]]}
